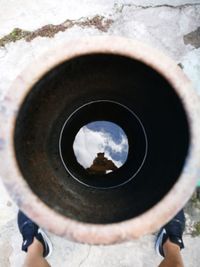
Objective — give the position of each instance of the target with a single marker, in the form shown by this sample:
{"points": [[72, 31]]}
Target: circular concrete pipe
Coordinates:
{"points": [[101, 79]]}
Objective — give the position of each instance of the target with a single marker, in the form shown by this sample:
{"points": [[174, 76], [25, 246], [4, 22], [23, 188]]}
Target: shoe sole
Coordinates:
{"points": [[47, 240], [159, 241]]}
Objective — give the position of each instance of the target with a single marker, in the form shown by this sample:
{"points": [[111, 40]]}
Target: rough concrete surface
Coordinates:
{"points": [[171, 26]]}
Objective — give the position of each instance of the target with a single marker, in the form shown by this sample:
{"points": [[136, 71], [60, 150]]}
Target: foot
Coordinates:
{"points": [[172, 231], [29, 230]]}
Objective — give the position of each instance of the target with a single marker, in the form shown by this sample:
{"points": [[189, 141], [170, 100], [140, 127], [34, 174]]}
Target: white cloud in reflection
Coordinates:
{"points": [[88, 143]]}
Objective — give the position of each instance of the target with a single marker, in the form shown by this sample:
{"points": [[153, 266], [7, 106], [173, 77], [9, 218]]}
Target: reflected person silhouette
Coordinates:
{"points": [[101, 165]]}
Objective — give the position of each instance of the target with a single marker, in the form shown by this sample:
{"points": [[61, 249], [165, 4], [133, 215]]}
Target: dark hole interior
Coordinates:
{"points": [[111, 111], [100, 77]]}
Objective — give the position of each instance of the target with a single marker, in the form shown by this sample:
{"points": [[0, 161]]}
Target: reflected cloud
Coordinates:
{"points": [[98, 140]]}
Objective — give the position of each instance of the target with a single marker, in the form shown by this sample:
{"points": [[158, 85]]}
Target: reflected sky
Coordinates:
{"points": [[100, 137]]}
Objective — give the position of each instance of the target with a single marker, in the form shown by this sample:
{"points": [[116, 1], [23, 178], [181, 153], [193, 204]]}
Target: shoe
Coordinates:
{"points": [[173, 231], [29, 230]]}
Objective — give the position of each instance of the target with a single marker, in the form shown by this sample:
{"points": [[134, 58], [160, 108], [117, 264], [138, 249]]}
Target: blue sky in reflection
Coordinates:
{"points": [[101, 136]]}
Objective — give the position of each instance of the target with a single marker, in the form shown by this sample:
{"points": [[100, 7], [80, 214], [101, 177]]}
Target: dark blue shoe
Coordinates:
{"points": [[173, 231], [29, 230]]}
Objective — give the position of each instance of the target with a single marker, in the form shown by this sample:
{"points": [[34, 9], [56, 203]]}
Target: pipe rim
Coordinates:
{"points": [[147, 222]]}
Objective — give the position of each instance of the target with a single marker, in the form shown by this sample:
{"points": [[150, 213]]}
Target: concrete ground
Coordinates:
{"points": [[171, 26]]}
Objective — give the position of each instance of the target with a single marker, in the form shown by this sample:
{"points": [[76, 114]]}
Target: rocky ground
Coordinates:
{"points": [[28, 29]]}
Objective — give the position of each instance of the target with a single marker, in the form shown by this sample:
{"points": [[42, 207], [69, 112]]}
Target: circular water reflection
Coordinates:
{"points": [[101, 147]]}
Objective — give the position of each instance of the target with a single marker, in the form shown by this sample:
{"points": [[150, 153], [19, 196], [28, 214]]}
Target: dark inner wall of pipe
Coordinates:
{"points": [[99, 77]]}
